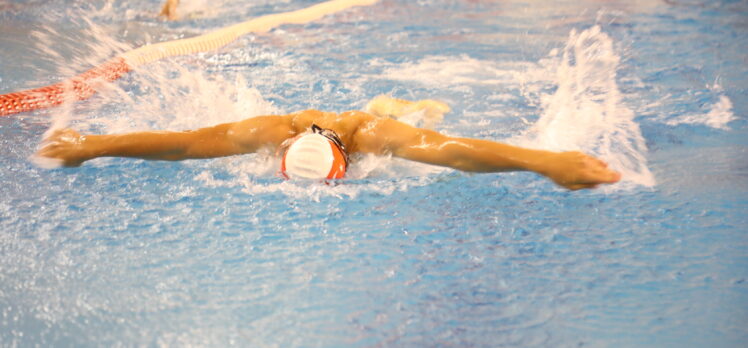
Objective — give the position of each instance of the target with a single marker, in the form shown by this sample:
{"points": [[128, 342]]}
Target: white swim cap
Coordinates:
{"points": [[318, 155]]}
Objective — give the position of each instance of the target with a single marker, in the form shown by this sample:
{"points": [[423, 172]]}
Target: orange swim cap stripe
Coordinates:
{"points": [[339, 162]]}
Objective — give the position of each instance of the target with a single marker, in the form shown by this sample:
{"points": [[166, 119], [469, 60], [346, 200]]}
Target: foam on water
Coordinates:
{"points": [[719, 115], [455, 71]]}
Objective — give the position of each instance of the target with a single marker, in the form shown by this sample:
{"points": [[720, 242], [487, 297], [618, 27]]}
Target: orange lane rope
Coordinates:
{"points": [[78, 88]]}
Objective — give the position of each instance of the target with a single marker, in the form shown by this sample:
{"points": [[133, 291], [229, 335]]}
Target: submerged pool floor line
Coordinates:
{"points": [[83, 86]]}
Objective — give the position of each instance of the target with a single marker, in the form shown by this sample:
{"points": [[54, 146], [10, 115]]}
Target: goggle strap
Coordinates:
{"points": [[330, 134]]}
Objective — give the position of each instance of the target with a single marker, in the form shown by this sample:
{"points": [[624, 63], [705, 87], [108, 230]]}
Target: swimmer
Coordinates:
{"points": [[316, 145], [169, 10]]}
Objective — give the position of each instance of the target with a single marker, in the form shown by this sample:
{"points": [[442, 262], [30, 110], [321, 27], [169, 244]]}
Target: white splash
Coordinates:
{"points": [[719, 115], [586, 112]]}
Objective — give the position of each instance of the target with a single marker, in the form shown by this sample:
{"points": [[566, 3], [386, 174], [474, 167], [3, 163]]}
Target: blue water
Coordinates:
{"points": [[222, 252]]}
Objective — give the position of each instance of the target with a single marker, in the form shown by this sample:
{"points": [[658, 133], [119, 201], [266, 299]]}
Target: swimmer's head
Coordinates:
{"points": [[316, 155]]}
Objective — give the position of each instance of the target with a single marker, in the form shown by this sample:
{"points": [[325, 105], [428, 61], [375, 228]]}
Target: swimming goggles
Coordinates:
{"points": [[333, 137]]}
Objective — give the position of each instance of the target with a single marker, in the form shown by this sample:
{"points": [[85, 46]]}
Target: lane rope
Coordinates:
{"points": [[83, 86]]}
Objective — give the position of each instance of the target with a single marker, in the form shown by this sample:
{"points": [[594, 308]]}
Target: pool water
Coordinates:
{"points": [[223, 252]]}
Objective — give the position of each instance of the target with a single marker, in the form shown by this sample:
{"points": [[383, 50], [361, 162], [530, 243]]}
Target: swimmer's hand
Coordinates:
{"points": [[64, 147], [385, 106], [575, 170]]}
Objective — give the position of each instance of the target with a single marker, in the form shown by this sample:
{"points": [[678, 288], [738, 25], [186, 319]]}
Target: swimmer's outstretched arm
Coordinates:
{"points": [[72, 149], [572, 170]]}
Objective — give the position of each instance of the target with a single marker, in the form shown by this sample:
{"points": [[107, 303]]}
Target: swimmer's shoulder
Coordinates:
{"points": [[358, 115], [304, 119]]}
